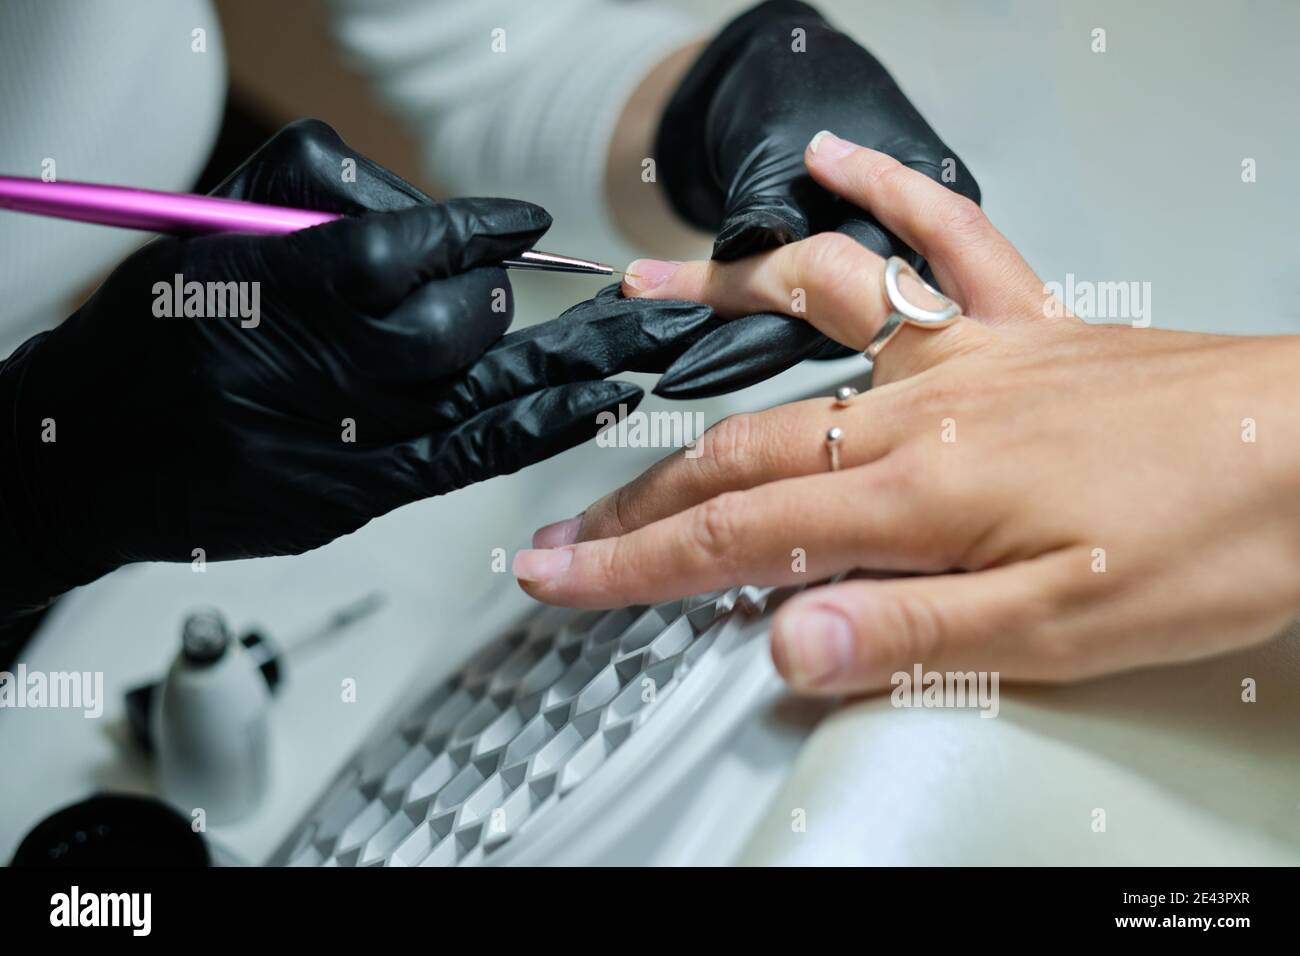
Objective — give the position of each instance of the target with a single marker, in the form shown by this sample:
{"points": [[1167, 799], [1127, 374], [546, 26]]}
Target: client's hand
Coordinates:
{"points": [[1116, 497]]}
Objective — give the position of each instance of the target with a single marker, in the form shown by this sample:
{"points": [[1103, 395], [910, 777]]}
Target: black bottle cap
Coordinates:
{"points": [[113, 830]]}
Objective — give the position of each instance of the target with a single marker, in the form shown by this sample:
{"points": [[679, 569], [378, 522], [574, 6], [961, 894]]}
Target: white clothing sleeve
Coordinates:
{"points": [[516, 99]]}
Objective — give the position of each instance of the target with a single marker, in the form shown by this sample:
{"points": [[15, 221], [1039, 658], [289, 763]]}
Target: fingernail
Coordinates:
{"points": [[557, 535], [813, 646], [829, 146], [646, 274], [542, 565]]}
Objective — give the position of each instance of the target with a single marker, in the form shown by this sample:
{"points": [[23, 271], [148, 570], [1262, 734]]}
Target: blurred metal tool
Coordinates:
{"points": [[538, 261]]}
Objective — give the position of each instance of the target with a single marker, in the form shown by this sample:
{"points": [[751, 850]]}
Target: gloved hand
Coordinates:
{"points": [[730, 156], [371, 374]]}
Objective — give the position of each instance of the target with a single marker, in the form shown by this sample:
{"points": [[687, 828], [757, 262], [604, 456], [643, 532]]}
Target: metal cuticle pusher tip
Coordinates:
{"points": [[537, 261]]}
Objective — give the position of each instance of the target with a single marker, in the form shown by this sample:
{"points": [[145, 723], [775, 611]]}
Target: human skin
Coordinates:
{"points": [[638, 205], [1064, 499]]}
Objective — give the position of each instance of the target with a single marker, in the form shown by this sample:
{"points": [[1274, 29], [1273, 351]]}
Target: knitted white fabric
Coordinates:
{"points": [[516, 99]]}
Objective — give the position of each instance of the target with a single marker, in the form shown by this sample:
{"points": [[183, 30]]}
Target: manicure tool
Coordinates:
{"points": [[183, 214]]}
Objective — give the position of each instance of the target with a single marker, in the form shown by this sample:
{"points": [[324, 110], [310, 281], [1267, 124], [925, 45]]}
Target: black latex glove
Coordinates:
{"points": [[178, 434], [730, 156]]}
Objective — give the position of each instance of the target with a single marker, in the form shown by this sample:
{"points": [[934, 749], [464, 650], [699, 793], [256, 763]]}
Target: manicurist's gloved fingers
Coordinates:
{"points": [[744, 352], [590, 341], [439, 328], [508, 437], [375, 260], [296, 374], [308, 166], [759, 222]]}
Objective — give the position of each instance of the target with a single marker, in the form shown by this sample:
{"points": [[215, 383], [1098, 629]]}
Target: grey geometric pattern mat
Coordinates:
{"points": [[528, 719]]}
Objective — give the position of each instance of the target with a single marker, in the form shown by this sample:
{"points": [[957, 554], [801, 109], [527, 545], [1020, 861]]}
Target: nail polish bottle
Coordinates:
{"points": [[213, 729]]}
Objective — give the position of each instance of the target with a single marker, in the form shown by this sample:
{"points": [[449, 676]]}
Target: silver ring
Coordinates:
{"points": [[903, 312], [833, 438]]}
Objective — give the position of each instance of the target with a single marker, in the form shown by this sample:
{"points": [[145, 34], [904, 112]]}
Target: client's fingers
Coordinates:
{"points": [[780, 533], [972, 260], [855, 635], [742, 452], [828, 280]]}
